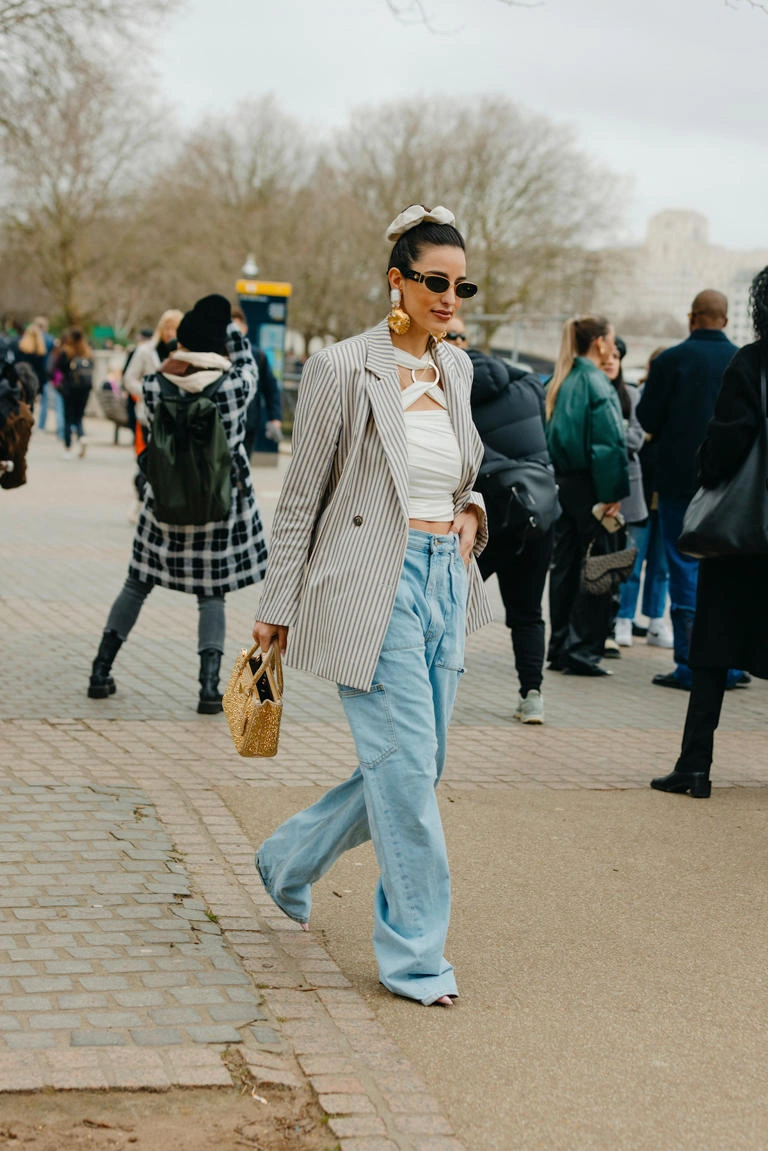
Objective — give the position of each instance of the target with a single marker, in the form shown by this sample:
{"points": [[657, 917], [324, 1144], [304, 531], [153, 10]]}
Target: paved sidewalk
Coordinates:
{"points": [[136, 943]]}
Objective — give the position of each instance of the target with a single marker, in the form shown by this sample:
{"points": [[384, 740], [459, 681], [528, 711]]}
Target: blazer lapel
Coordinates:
{"points": [[383, 387]]}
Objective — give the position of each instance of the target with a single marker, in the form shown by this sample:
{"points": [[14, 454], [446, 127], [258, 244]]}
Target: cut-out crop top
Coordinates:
{"points": [[434, 459]]}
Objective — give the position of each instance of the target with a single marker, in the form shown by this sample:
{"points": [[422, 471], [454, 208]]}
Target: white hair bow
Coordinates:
{"points": [[418, 214]]}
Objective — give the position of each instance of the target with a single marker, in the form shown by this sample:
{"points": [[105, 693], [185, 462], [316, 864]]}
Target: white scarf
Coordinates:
{"points": [[212, 364]]}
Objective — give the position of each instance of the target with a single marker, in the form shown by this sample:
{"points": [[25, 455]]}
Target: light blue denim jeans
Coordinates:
{"points": [[49, 394], [400, 728]]}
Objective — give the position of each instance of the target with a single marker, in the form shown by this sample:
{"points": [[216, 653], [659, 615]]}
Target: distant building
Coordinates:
{"points": [[645, 290], [649, 288]]}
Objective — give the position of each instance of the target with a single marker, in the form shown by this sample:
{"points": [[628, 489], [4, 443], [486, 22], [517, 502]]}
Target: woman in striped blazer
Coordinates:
{"points": [[372, 582]]}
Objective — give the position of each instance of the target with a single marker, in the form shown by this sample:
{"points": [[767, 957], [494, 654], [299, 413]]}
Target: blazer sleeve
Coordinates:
{"points": [[481, 539], [316, 431], [468, 496], [735, 424]]}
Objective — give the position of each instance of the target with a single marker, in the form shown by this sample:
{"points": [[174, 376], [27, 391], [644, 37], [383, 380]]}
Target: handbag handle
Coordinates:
{"points": [[270, 659]]}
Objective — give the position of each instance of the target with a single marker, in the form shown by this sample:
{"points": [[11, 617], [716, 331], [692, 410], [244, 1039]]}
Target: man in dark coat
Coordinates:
{"points": [[508, 411], [268, 398], [731, 626], [678, 402]]}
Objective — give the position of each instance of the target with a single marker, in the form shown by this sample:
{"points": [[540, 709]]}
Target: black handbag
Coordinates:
{"points": [[732, 519], [520, 495]]}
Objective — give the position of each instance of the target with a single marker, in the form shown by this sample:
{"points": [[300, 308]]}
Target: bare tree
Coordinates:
{"points": [[417, 11], [26, 26], [229, 191], [333, 258], [74, 145], [113, 228], [527, 200]]}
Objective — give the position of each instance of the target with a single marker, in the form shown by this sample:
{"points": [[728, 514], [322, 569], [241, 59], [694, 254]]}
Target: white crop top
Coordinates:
{"points": [[434, 459]]}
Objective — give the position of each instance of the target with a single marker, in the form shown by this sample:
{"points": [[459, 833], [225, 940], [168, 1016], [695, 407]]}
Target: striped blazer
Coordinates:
{"points": [[341, 525]]}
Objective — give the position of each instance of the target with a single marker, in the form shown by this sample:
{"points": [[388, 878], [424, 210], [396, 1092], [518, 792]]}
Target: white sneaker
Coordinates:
{"points": [[530, 709], [623, 632], [68, 453], [660, 634]]}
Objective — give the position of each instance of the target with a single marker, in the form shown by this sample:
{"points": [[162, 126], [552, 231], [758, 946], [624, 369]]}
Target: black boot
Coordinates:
{"points": [[210, 696], [696, 782], [101, 683]]}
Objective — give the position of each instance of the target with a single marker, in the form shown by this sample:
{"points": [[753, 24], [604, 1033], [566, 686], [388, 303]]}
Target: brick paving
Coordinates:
{"points": [[136, 943]]}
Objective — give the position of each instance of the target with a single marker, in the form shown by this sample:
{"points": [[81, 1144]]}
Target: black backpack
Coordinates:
{"points": [[80, 373], [188, 461]]}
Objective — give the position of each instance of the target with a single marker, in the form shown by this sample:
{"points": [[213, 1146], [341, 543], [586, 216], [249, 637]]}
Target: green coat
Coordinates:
{"points": [[586, 431]]}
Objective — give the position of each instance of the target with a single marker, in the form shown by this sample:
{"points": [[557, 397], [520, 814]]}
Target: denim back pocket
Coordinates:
{"points": [[370, 721]]}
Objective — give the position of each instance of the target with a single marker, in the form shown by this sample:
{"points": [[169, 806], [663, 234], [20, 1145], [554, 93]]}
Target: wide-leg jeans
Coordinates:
{"points": [[400, 728]]}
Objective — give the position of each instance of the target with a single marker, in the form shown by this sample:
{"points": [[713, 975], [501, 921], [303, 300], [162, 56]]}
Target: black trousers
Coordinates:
{"points": [[75, 401], [581, 623], [522, 575], [702, 718]]}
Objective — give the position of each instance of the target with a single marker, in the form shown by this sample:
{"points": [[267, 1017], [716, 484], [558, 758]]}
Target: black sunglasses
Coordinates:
{"points": [[455, 335], [439, 284]]}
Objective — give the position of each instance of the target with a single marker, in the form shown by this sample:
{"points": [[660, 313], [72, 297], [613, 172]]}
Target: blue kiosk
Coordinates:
{"points": [[265, 306]]}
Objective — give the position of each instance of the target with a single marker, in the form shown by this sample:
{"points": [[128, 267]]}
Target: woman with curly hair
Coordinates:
{"points": [[730, 628]]}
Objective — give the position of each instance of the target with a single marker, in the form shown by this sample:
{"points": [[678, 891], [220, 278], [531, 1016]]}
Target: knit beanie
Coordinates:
{"points": [[204, 328]]}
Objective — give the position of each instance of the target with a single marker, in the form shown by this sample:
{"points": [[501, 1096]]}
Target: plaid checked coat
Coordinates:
{"points": [[215, 558]]}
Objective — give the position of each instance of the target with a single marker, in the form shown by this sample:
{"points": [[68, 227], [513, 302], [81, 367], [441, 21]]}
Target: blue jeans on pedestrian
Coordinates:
{"points": [[683, 581], [49, 394], [647, 539], [400, 728]]}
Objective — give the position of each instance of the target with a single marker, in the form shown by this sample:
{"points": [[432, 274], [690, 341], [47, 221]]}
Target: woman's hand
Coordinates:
{"points": [[610, 511], [266, 634], [465, 527]]}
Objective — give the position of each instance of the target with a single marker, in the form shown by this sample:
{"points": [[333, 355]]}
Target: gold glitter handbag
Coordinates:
{"points": [[253, 701]]}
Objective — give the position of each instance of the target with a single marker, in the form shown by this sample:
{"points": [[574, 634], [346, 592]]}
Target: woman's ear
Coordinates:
{"points": [[395, 277]]}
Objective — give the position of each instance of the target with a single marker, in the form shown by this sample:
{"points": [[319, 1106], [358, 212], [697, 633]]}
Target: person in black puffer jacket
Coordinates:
{"points": [[508, 410]]}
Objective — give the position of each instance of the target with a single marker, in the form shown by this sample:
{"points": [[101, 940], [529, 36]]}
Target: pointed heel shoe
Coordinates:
{"points": [[697, 783]]}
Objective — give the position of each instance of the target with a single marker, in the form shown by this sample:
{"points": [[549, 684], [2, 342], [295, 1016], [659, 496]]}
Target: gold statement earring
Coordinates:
{"points": [[399, 321]]}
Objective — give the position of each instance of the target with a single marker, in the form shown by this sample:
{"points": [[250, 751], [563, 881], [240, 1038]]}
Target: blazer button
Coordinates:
{"points": [[358, 521]]}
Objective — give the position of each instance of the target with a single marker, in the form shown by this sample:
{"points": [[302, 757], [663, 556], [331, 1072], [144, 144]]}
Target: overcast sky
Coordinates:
{"points": [[670, 93]]}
